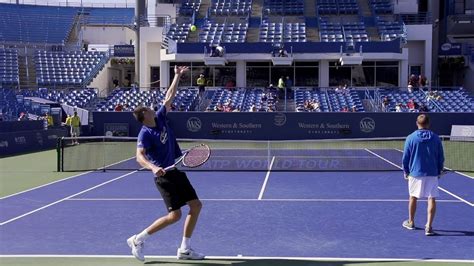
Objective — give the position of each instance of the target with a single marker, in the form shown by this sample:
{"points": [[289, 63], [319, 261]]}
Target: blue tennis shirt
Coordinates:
{"points": [[423, 154], [159, 142]]}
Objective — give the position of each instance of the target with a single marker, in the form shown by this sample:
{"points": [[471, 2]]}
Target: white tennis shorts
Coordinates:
{"points": [[423, 187], [75, 131]]}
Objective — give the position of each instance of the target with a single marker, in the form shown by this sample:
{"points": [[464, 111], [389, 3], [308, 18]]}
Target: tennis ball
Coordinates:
{"points": [[193, 28]]}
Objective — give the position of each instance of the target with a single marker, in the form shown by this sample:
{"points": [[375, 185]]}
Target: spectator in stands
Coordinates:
{"points": [[219, 107], [281, 87], [411, 105], [23, 117], [282, 52], [49, 119], [253, 108], [385, 104], [75, 123], [410, 88], [413, 83], [128, 82], [212, 50], [126, 107], [354, 109], [271, 87], [219, 51], [201, 82], [230, 84], [118, 108], [115, 82], [316, 106], [399, 108], [345, 109], [423, 82]]}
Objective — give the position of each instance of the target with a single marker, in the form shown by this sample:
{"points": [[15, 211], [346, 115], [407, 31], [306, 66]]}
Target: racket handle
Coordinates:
{"points": [[170, 167]]}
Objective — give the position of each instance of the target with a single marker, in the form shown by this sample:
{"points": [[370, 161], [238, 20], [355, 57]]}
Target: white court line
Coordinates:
{"points": [[276, 200], [398, 166], [66, 198], [442, 189], [57, 181], [239, 257], [260, 196]]}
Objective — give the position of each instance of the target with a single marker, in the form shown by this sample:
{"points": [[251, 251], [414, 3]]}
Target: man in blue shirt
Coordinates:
{"points": [[423, 160], [157, 149]]}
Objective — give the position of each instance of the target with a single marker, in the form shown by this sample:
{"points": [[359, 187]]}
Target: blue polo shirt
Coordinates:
{"points": [[159, 142]]}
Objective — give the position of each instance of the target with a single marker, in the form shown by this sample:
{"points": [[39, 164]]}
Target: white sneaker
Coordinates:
{"points": [[137, 249], [189, 254]]}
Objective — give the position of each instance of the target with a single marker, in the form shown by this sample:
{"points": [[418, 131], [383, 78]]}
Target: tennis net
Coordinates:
{"points": [[118, 153]]}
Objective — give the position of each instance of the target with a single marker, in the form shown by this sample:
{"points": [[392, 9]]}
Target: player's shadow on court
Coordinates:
{"points": [[257, 262], [453, 233]]}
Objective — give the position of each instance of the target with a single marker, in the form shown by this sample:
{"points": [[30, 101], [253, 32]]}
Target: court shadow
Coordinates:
{"points": [[453, 233], [259, 262]]}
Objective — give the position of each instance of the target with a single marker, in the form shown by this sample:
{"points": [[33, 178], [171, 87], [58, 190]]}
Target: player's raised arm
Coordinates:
{"points": [[171, 92]]}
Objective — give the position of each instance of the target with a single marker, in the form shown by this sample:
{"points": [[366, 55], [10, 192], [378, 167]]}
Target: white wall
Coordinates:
{"points": [[423, 33], [405, 6], [102, 81], [150, 45], [163, 9], [108, 35], [416, 55]]}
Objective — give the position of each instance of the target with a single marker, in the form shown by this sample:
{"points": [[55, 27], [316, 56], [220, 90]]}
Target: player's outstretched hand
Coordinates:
{"points": [[179, 70]]}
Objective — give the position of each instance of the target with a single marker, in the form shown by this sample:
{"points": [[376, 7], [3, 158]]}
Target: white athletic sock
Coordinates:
{"points": [[186, 243], [142, 237]]}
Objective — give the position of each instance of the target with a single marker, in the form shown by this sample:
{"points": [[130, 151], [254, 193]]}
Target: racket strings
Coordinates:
{"points": [[196, 156]]}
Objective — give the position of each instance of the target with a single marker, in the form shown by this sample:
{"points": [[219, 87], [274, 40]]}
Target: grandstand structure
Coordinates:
{"points": [[81, 56]]}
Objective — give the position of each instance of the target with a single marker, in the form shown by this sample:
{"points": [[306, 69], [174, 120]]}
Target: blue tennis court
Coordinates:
{"points": [[278, 214]]}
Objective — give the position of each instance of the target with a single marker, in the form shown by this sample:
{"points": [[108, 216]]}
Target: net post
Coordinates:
{"points": [[58, 154], [105, 151], [62, 154]]}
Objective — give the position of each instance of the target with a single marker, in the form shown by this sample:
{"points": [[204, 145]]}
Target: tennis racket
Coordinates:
{"points": [[194, 157]]}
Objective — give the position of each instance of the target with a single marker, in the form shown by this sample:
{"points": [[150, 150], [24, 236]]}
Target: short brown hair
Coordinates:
{"points": [[423, 120], [138, 113]]}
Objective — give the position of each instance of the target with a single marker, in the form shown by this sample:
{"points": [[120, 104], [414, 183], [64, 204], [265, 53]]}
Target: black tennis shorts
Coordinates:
{"points": [[175, 189]]}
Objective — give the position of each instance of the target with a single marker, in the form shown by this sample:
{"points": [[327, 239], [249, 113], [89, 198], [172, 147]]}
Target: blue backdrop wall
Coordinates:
{"points": [[281, 126]]}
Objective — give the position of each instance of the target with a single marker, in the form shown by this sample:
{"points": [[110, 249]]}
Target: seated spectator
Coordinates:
{"points": [[23, 117], [253, 108], [118, 108], [219, 51], [410, 88], [385, 104], [282, 52], [271, 87], [316, 106], [354, 109], [230, 84], [345, 109], [413, 81], [423, 82], [399, 108], [219, 107]]}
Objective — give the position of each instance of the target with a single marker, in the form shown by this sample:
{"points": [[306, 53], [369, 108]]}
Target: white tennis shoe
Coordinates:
{"points": [[189, 254], [137, 249]]}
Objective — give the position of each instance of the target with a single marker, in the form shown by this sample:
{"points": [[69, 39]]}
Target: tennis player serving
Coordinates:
{"points": [[157, 149]]}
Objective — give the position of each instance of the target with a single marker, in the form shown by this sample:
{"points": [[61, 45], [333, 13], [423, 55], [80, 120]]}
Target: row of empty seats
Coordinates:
{"points": [[185, 99], [316, 100], [8, 67], [66, 68], [107, 16], [381, 6], [188, 7], [179, 32], [283, 7], [282, 32], [215, 33], [390, 30], [35, 24], [230, 7], [335, 7]]}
